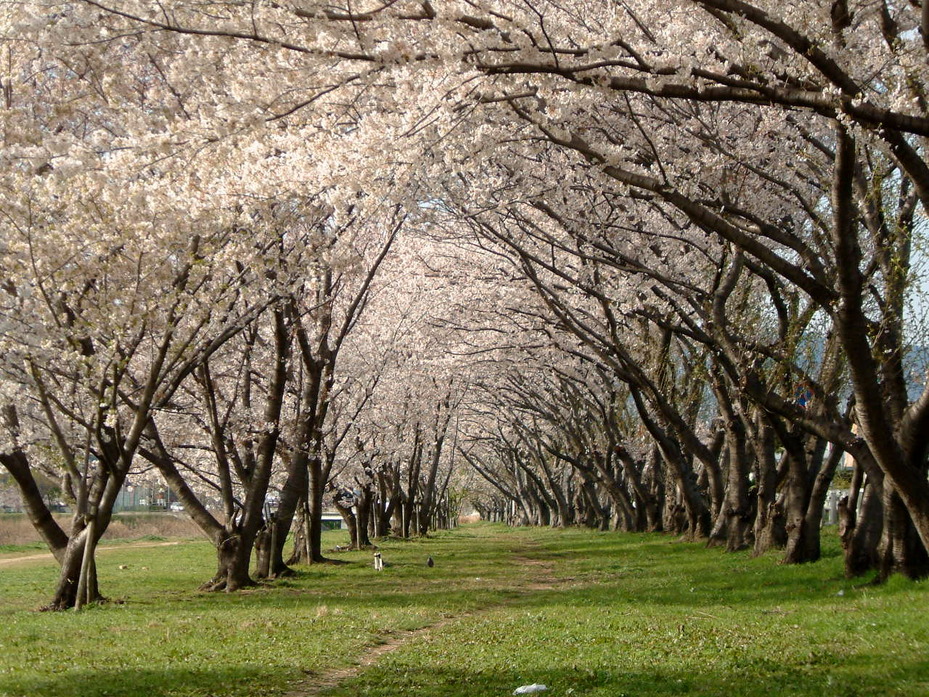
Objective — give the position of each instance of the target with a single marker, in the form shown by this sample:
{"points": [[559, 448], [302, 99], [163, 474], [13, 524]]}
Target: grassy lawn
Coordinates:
{"points": [[585, 613]]}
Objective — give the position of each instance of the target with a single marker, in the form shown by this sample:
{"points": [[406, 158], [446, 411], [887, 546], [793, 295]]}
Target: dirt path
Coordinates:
{"points": [[539, 577], [320, 683], [542, 578], [48, 555]]}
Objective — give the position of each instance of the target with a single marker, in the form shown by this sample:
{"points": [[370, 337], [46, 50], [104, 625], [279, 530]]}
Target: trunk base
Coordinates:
{"points": [[223, 584]]}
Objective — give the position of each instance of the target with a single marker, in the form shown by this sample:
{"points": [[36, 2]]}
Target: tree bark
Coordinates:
{"points": [[900, 548], [860, 531], [232, 562]]}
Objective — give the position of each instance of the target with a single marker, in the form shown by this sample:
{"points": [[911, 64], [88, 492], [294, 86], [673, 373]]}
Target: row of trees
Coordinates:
{"points": [[675, 243], [723, 265], [176, 301], [244, 413]]}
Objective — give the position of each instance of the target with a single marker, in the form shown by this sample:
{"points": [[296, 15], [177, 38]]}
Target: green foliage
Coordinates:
{"points": [[586, 613], [842, 479]]}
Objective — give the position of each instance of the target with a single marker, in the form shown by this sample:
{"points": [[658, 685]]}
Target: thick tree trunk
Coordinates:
{"points": [[651, 490], [398, 517], [770, 526], [88, 574], [805, 463], [901, 550], [429, 493], [721, 518], [316, 492], [69, 576], [593, 513], [733, 512], [796, 501], [674, 513], [77, 584], [630, 517], [738, 509], [687, 500], [301, 548], [351, 523], [264, 545], [293, 499], [817, 503], [860, 530], [232, 562], [363, 508], [389, 497], [66, 591], [556, 494], [544, 504], [656, 478], [641, 502]]}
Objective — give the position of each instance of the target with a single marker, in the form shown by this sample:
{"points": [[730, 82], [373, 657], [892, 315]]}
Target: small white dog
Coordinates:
{"points": [[378, 562]]}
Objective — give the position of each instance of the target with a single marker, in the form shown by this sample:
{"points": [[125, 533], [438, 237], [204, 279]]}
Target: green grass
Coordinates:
{"points": [[27, 547], [586, 613]]}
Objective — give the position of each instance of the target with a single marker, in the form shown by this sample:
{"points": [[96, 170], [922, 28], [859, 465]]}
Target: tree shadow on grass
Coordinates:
{"points": [[732, 681], [857, 676], [216, 682]]}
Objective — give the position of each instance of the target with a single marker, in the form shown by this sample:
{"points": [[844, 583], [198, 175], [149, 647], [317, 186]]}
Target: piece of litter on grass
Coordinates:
{"points": [[529, 689]]}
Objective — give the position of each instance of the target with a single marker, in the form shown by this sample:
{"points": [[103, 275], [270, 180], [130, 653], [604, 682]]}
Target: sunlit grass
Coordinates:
{"points": [[585, 613], [160, 636], [637, 615]]}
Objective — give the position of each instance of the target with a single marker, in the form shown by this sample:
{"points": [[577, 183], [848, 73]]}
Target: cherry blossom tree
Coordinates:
{"points": [[760, 180]]}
